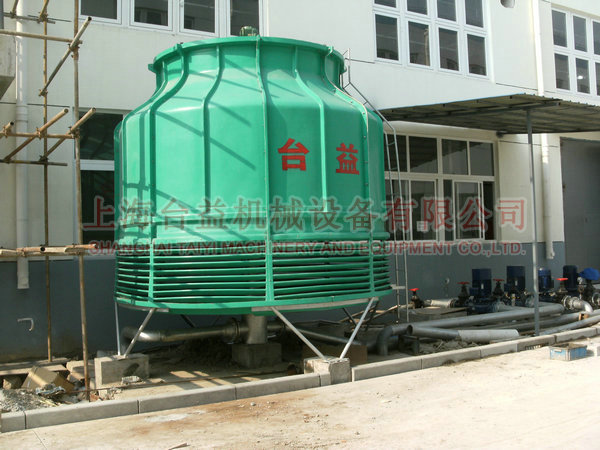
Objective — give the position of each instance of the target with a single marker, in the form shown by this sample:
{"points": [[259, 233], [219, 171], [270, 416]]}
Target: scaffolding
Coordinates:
{"points": [[42, 133]]}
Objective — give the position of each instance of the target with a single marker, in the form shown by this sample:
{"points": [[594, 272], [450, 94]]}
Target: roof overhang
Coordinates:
{"points": [[505, 114]]}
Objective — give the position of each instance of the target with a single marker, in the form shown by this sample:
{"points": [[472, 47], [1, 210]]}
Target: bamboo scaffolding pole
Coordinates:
{"points": [[62, 249], [44, 16], [73, 46], [6, 128], [35, 135], [35, 36], [39, 134], [72, 133], [13, 11], [65, 250], [75, 50]]}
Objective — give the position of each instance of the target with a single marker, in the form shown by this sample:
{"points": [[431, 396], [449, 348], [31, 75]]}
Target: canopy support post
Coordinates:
{"points": [[536, 296]]}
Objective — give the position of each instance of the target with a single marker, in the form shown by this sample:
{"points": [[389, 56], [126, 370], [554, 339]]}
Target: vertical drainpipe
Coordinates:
{"points": [[546, 176], [21, 170]]}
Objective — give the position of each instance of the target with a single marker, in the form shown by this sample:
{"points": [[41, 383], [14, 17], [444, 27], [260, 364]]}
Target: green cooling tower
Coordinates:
{"points": [[249, 179]]}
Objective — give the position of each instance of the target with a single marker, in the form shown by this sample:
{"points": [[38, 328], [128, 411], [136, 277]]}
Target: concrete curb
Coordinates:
{"points": [[185, 399], [115, 408], [392, 367], [277, 385]]}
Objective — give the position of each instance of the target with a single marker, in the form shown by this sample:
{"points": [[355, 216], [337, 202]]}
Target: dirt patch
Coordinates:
{"points": [[21, 400]]}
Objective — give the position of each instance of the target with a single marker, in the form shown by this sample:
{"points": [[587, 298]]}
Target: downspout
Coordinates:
{"points": [[21, 170], [546, 176]]}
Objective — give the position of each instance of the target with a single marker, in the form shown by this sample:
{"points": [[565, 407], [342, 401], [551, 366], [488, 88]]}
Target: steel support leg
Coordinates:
{"points": [[118, 329], [139, 331], [357, 327], [298, 333]]}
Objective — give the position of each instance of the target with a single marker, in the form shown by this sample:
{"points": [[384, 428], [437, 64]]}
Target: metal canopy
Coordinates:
{"points": [[505, 114]]}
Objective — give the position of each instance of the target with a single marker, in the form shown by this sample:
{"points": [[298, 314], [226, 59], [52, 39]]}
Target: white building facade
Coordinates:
{"points": [[399, 53]]}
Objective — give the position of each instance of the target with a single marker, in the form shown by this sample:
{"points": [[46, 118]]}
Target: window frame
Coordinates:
{"points": [[403, 17], [398, 37], [117, 21], [181, 21], [439, 177], [148, 26], [573, 55], [225, 8]]}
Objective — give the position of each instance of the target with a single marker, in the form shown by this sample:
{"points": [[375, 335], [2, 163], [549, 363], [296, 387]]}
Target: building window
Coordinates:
{"points": [[97, 178], [576, 52], [446, 9], [386, 31], [107, 10], [418, 38], [199, 15], [152, 12], [243, 13], [476, 49], [449, 35], [439, 189]]}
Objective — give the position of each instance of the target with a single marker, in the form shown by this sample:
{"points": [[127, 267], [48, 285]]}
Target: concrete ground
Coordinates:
{"points": [[521, 400]]}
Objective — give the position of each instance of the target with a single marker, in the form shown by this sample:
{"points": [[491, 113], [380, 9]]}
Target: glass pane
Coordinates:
{"points": [[446, 9], [391, 3], [559, 26], [423, 154], [243, 13], [422, 192], [418, 36], [97, 136], [561, 69], [596, 29], [418, 6], [448, 49], [448, 233], [468, 214], [106, 8], [476, 45], [154, 12], [398, 209], [199, 15], [454, 157], [393, 155], [97, 205], [597, 78], [482, 158], [579, 33], [488, 203], [474, 12], [386, 32], [583, 76]]}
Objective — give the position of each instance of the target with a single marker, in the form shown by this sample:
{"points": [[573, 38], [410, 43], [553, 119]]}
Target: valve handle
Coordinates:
{"points": [[562, 279], [414, 289], [464, 283], [498, 279]]}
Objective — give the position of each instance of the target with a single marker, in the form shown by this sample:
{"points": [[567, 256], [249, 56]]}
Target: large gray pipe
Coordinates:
{"points": [[574, 326], [467, 321], [477, 336], [577, 304], [231, 331]]}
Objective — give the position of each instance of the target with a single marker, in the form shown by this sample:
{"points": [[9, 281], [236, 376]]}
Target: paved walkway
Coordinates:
{"points": [[522, 400]]}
